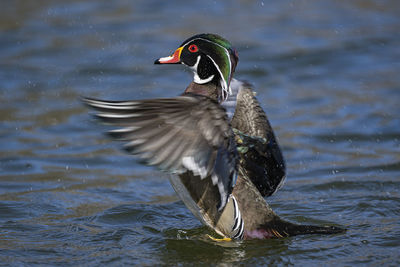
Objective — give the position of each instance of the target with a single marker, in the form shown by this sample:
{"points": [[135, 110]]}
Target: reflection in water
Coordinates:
{"points": [[325, 72], [202, 249]]}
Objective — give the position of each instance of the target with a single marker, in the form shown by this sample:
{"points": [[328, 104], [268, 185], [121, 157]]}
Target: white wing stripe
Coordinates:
{"points": [[118, 116], [190, 164], [125, 130]]}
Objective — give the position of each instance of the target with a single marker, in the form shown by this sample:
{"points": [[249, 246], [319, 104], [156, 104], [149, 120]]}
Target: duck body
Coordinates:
{"points": [[214, 139]]}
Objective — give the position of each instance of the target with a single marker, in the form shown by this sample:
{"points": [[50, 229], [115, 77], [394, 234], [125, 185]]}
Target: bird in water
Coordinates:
{"points": [[214, 139]]}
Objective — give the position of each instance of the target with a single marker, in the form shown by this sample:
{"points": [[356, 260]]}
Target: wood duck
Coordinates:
{"points": [[215, 140]]}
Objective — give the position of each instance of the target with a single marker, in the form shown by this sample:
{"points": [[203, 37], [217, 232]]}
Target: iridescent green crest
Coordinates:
{"points": [[221, 53]]}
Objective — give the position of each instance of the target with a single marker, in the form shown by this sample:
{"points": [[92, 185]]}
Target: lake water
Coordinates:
{"points": [[326, 73]]}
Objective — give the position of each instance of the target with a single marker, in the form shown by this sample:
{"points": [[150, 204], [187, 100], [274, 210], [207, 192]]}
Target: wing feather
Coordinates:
{"points": [[181, 134]]}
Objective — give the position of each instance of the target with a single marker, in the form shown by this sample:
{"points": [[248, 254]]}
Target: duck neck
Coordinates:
{"points": [[211, 89]]}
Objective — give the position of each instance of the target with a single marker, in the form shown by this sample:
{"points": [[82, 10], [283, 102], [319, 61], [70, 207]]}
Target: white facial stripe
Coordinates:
{"points": [[227, 54], [224, 83], [194, 67], [198, 80], [196, 77], [199, 38], [220, 73]]}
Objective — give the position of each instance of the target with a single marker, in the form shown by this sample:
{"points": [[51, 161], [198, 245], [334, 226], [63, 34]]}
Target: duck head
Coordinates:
{"points": [[211, 57]]}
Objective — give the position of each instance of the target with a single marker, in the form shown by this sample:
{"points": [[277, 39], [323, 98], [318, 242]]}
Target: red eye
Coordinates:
{"points": [[193, 48]]}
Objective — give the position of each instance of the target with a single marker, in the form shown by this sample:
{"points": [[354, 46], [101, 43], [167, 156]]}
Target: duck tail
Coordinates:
{"points": [[278, 228], [298, 229]]}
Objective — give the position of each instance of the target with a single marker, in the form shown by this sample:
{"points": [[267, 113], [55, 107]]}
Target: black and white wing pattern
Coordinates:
{"points": [[180, 134]]}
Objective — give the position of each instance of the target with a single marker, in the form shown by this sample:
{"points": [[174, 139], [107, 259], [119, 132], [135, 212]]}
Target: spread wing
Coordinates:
{"points": [[181, 134], [261, 156], [262, 162]]}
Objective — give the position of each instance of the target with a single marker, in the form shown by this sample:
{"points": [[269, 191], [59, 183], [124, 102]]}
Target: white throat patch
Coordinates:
{"points": [[226, 90], [196, 77]]}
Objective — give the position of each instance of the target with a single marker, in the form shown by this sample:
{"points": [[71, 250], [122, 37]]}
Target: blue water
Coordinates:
{"points": [[326, 73]]}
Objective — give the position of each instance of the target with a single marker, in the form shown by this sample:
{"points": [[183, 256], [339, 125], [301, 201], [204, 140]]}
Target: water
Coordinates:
{"points": [[326, 72]]}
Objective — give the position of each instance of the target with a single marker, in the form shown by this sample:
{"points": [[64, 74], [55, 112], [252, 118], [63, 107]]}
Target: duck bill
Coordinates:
{"points": [[174, 59]]}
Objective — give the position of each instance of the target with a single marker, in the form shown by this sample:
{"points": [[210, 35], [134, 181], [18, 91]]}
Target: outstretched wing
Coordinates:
{"points": [[261, 156], [186, 133], [261, 161]]}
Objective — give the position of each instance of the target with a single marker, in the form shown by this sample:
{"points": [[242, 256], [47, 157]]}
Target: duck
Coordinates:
{"points": [[215, 141]]}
